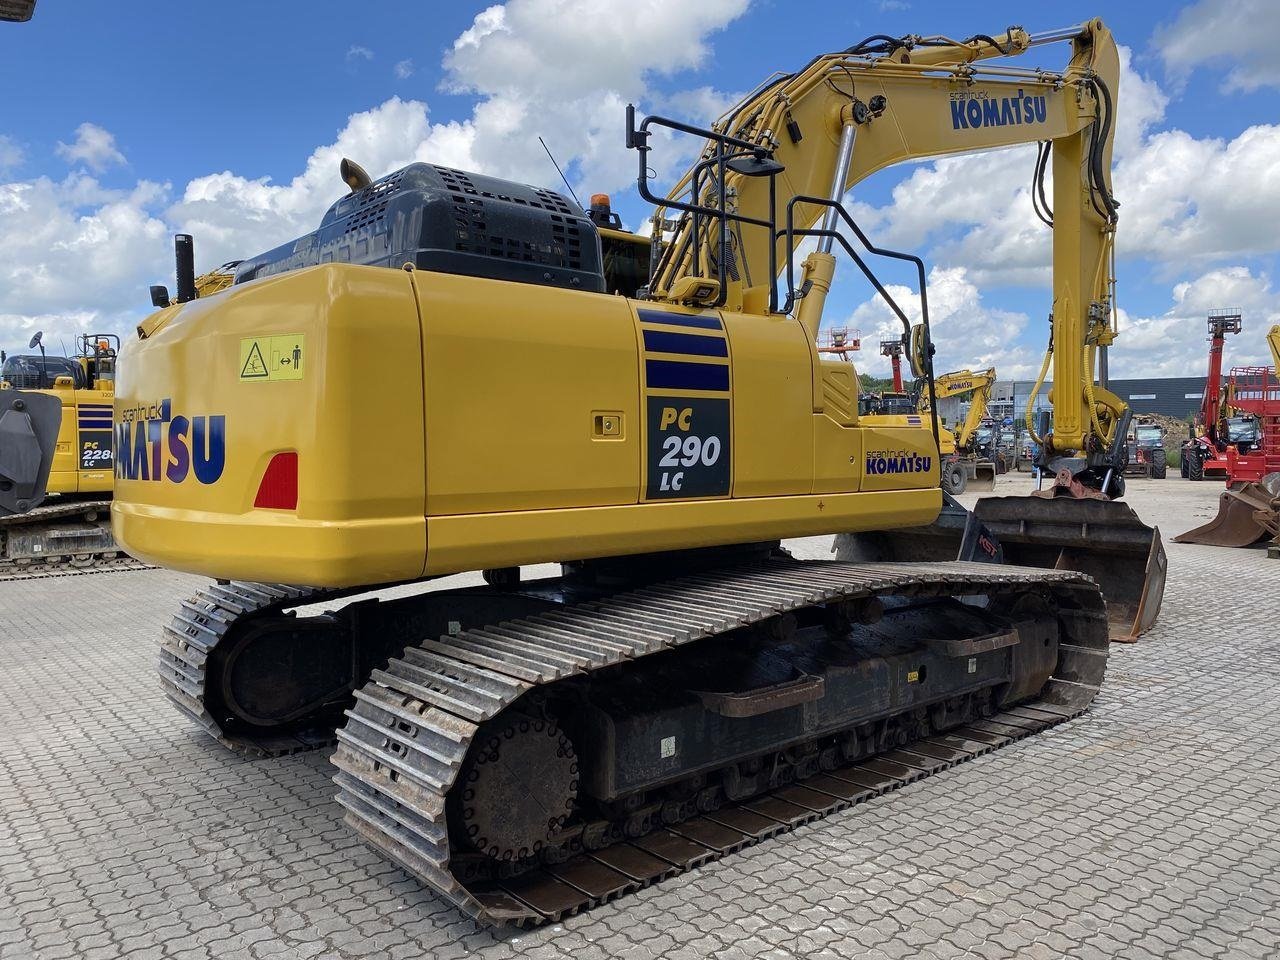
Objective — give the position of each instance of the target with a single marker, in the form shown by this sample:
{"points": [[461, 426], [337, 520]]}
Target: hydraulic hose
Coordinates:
{"points": [[1039, 385]]}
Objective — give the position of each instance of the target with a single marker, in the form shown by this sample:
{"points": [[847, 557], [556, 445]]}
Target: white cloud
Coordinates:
{"points": [[1241, 35], [11, 154], [574, 102], [79, 251], [403, 69], [1191, 200], [75, 250], [966, 331], [1173, 344], [232, 216], [94, 147]]}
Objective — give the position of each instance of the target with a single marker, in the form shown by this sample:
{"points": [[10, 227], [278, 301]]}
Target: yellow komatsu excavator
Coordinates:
{"points": [[964, 462], [456, 373], [72, 530]]}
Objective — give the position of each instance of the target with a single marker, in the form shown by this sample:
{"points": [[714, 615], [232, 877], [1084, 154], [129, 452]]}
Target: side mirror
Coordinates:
{"points": [[159, 295], [35, 341]]}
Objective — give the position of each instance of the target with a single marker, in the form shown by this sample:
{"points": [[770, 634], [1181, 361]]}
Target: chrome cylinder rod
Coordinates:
{"points": [[843, 159]]}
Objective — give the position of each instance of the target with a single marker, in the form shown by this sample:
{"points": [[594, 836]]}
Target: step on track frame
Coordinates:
{"points": [[408, 734]]}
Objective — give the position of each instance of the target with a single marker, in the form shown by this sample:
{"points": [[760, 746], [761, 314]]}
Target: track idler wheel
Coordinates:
{"points": [[519, 787]]}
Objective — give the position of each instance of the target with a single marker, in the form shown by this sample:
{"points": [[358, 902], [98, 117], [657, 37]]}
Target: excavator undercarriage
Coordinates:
{"points": [[534, 750], [60, 538]]}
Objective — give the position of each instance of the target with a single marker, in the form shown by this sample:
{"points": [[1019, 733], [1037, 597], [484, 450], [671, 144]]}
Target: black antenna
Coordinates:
{"points": [[559, 171], [63, 344]]}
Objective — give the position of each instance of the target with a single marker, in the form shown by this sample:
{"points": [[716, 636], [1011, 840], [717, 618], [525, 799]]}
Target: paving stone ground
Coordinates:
{"points": [[1148, 828]]}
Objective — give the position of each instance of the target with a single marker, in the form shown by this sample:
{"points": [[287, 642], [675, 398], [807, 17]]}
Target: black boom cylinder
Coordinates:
{"points": [[185, 258]]}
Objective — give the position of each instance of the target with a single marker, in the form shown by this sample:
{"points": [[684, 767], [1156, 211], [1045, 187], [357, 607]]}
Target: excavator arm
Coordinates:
{"points": [[788, 152], [956, 384], [977, 409]]}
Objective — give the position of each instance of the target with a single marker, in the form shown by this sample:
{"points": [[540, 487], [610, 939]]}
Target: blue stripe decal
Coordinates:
{"points": [[660, 341], [674, 375], [95, 406], [706, 322], [96, 419], [103, 424]]}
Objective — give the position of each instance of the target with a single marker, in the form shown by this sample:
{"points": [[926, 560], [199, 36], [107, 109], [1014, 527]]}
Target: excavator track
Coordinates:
{"points": [[69, 566], [61, 540], [422, 729], [196, 630]]}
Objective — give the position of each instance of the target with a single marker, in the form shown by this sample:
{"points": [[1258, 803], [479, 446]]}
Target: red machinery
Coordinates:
{"points": [[893, 350], [1249, 509], [839, 341], [1204, 454], [1255, 392]]}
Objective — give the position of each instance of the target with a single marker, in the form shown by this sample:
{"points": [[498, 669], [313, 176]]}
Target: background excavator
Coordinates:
{"points": [[72, 530], [684, 688], [965, 462]]}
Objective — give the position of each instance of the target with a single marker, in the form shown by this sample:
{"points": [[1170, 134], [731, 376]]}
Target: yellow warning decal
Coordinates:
{"points": [[273, 358]]}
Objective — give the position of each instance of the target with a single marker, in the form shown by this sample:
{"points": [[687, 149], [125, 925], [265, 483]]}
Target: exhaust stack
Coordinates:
{"points": [[185, 258]]}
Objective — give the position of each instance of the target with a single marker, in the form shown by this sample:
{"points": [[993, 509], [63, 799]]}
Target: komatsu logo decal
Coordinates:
{"points": [[897, 461], [971, 109], [153, 443]]}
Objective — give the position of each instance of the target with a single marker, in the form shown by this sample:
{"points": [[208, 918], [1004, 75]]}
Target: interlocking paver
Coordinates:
{"points": [[1149, 828]]}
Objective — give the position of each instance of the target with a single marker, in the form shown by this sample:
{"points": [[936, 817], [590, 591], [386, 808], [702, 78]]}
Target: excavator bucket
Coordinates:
{"points": [[1246, 515], [1101, 538], [984, 477]]}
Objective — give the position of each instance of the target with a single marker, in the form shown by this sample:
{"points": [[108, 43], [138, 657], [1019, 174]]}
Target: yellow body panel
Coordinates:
{"points": [[446, 423], [355, 420], [505, 382], [81, 461]]}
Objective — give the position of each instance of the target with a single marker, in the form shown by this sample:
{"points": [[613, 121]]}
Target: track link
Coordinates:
{"points": [[208, 619], [68, 567], [412, 725], [97, 554]]}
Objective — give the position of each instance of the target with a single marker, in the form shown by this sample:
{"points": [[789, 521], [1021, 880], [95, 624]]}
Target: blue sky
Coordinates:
{"points": [[135, 120]]}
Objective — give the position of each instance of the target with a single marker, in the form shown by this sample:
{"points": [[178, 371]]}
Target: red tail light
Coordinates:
{"points": [[279, 487]]}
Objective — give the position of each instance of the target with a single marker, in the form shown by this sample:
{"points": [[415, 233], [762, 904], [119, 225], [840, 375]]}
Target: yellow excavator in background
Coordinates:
{"points": [[684, 688], [964, 461], [71, 532]]}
